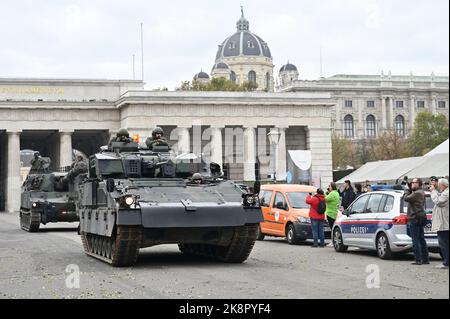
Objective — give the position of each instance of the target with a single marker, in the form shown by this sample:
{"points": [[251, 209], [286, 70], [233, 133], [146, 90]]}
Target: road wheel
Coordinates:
{"points": [[259, 234], [291, 235], [383, 247], [338, 241]]}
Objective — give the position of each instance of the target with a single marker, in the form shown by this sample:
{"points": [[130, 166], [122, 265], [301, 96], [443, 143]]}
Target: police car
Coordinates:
{"points": [[378, 221]]}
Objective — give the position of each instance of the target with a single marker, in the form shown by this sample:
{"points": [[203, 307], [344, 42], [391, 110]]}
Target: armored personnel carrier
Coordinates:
{"points": [[136, 197], [46, 197]]}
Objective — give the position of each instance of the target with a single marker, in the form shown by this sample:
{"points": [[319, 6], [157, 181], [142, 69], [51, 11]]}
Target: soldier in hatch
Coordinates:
{"points": [[122, 136], [197, 178], [36, 161], [39, 163], [157, 139]]}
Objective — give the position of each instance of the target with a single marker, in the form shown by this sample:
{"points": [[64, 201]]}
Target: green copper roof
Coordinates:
{"points": [[399, 78]]}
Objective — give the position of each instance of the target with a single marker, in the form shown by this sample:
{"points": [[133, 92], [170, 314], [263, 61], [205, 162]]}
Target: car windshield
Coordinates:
{"points": [[297, 199]]}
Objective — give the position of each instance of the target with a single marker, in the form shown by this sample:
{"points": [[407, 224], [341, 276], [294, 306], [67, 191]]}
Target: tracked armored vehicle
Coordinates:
{"points": [[135, 198], [46, 197]]}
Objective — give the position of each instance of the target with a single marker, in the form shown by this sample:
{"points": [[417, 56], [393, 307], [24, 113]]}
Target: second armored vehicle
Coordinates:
{"points": [[135, 198], [48, 196]]}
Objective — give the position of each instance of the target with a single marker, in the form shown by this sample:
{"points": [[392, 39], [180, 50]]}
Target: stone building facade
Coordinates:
{"points": [[368, 105]]}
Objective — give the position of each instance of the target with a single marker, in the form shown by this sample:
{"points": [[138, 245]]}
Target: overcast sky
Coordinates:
{"points": [[97, 38]]}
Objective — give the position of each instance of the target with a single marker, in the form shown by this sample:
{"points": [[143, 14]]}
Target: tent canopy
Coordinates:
{"points": [[383, 170], [393, 170], [440, 149], [435, 165]]}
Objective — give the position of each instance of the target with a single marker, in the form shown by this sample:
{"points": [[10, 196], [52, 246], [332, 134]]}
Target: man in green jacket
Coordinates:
{"points": [[333, 200]]}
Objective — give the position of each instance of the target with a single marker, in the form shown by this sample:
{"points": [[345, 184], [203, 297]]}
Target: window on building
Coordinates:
{"points": [[371, 128], [232, 45], [442, 104], [233, 77], [370, 103], [400, 125], [250, 44], [349, 131], [348, 103], [267, 81], [420, 104], [399, 104], [252, 77]]}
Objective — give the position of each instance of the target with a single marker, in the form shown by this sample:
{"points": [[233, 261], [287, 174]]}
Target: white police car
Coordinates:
{"points": [[377, 221]]}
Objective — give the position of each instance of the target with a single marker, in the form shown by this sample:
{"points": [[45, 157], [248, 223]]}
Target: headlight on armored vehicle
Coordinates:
{"points": [[34, 205], [249, 200], [129, 200]]}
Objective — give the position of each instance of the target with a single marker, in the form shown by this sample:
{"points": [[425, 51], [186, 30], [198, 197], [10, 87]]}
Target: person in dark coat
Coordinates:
{"points": [[348, 195], [417, 219]]}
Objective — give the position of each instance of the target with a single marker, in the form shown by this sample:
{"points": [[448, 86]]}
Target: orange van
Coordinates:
{"points": [[286, 213]]}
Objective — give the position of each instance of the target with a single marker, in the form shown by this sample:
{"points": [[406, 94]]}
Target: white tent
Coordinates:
{"points": [[440, 149], [434, 163], [383, 171]]}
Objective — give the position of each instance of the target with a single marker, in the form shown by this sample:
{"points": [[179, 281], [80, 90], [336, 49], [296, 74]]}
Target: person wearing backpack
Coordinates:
{"points": [[317, 217]]}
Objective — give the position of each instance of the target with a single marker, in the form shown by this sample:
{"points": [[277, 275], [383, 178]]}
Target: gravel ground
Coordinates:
{"points": [[33, 265]]}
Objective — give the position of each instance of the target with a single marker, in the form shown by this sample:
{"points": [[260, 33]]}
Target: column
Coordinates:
{"points": [[390, 119], [360, 127], [65, 148], [434, 104], [319, 143], [184, 139], [412, 112], [13, 176], [216, 145], [281, 155], [383, 113], [249, 154]]}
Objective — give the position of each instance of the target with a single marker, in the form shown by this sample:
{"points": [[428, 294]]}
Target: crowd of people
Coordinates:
{"points": [[326, 205]]}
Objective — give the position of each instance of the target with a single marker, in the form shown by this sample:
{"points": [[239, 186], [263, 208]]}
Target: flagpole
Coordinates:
{"points": [[142, 50]]}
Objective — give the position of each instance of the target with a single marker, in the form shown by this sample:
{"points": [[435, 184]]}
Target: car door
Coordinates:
{"points": [[351, 228], [280, 209], [265, 199], [371, 221]]}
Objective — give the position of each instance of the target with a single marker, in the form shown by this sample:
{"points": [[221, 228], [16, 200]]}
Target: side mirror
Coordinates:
{"points": [[346, 212], [110, 185]]}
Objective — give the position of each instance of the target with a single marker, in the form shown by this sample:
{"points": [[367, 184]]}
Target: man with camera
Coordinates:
{"points": [[417, 219]]}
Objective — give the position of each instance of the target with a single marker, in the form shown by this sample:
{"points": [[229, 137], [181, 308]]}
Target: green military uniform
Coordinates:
{"points": [[122, 136], [155, 140]]}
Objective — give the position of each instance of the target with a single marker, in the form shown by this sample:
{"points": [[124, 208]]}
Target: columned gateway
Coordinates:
{"points": [[229, 128]]}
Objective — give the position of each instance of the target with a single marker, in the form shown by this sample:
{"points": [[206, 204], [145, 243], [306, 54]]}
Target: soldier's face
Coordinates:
{"points": [[158, 136]]}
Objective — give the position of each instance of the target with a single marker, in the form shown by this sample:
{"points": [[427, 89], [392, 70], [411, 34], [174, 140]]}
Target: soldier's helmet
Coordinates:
{"points": [[197, 177], [37, 154], [123, 133], [157, 130]]}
